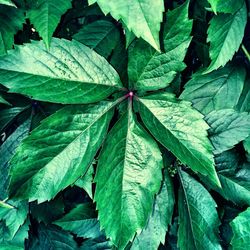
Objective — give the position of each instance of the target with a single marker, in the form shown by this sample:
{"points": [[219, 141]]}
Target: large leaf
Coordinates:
{"points": [[59, 151], [11, 20], [69, 72], [142, 17], [241, 229], [228, 128], [155, 231], [220, 89], [96, 244], [150, 70], [7, 150], [128, 176], [225, 35], [51, 237], [101, 35], [81, 221], [198, 219], [45, 15], [181, 129]]}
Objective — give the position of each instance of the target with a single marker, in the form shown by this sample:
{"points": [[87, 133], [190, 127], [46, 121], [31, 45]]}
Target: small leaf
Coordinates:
{"points": [[155, 231], [228, 128], [68, 73], [220, 89], [3, 101], [50, 237], [198, 219], [11, 20], [85, 181], [45, 15], [69, 139], [128, 176], [150, 70], [225, 35], [142, 17], [181, 129], [101, 35], [81, 221], [241, 229]]}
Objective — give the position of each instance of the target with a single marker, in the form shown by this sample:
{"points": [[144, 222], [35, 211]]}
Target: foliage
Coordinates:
{"points": [[124, 124]]}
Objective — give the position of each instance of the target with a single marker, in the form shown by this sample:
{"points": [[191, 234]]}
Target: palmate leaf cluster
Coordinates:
{"points": [[124, 124]]}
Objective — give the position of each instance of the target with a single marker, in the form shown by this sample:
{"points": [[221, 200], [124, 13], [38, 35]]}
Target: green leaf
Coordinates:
{"points": [[241, 229], [228, 6], [69, 139], [17, 243], [47, 212], [7, 150], [181, 129], [220, 89], [225, 35], [128, 176], [11, 20], [96, 244], [155, 231], [85, 182], [101, 35], [14, 218], [150, 70], [81, 221], [198, 219], [247, 147], [9, 115], [51, 237], [235, 185], [142, 17], [227, 128], [7, 2], [68, 73], [3, 101], [45, 15]]}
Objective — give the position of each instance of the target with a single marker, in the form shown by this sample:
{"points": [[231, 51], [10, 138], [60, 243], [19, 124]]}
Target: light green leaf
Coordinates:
{"points": [[214, 4], [241, 229], [142, 17], [155, 231], [45, 15], [68, 73], [85, 181], [181, 129], [11, 20], [127, 179], [14, 218], [225, 35], [198, 219], [81, 221], [50, 237], [228, 128], [69, 139], [101, 35], [7, 150], [7, 2], [220, 89], [150, 70]]}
